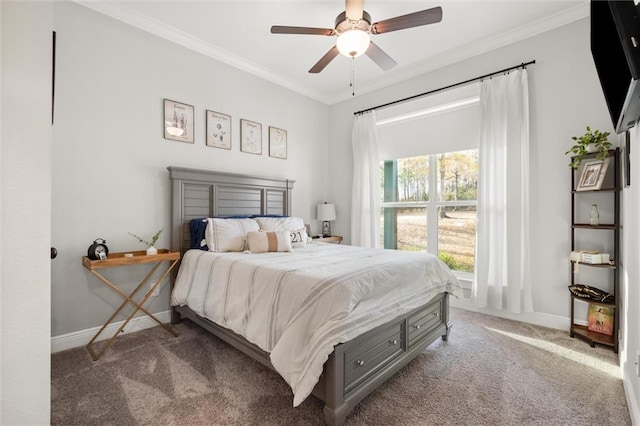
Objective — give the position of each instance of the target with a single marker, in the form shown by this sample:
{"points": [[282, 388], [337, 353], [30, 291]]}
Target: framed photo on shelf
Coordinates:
{"points": [[178, 121], [277, 143], [592, 176], [250, 137], [601, 319], [218, 130]]}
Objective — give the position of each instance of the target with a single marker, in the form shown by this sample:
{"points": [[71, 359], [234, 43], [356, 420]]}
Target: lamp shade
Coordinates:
{"points": [[326, 211]]}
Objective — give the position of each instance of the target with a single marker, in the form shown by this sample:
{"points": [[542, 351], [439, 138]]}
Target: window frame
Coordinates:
{"points": [[431, 206]]}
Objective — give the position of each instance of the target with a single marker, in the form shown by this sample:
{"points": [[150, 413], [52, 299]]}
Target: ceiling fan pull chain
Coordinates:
{"points": [[352, 82]]}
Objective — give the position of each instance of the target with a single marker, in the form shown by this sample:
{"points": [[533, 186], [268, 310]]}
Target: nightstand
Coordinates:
{"points": [[132, 258], [334, 239]]}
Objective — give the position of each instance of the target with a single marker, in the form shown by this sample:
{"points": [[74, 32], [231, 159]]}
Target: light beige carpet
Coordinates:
{"points": [[490, 372]]}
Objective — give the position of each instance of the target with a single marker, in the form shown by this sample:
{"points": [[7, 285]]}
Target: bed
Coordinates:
{"points": [[341, 368]]}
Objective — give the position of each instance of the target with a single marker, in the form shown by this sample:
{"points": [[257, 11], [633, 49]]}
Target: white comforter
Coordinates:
{"points": [[298, 306]]}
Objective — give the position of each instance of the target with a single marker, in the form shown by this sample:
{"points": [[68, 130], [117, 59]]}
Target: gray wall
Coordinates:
{"points": [[110, 158], [25, 211], [630, 354]]}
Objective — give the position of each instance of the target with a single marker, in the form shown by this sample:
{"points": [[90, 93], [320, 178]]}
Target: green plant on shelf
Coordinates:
{"points": [[598, 139], [151, 243]]}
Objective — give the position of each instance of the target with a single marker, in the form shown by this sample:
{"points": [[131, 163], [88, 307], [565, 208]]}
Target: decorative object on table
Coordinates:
{"points": [[593, 175], [592, 294], [591, 141], [250, 137], [594, 216], [218, 130], [326, 213], [178, 121], [277, 143], [308, 228], [98, 250], [600, 319], [151, 249]]}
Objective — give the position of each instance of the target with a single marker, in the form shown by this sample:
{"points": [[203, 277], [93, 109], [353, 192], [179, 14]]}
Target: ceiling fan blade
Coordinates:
{"points": [[379, 56], [354, 9], [410, 20], [278, 29], [324, 61]]}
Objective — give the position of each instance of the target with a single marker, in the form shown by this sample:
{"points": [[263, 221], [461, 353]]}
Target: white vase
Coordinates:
{"points": [[151, 251]]}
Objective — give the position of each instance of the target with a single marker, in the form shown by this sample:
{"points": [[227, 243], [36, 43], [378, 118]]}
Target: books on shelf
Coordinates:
{"points": [[589, 256], [600, 319]]}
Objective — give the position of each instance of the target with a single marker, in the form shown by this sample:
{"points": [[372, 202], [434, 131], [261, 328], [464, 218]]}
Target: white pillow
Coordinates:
{"points": [[262, 242], [299, 237], [229, 234], [280, 223]]}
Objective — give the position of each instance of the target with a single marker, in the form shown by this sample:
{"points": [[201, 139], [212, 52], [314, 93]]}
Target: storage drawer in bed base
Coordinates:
{"points": [[359, 366], [343, 396]]}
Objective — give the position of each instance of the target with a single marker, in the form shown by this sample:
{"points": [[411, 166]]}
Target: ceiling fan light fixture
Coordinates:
{"points": [[353, 43]]}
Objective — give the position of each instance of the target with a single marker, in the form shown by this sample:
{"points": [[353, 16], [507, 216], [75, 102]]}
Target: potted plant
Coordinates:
{"points": [[150, 244], [591, 141]]}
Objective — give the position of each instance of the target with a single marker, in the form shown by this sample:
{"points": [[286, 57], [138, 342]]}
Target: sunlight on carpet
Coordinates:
{"points": [[586, 360]]}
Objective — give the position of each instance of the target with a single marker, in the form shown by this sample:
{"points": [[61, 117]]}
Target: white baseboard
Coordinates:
{"points": [[536, 318], [632, 399], [82, 337]]}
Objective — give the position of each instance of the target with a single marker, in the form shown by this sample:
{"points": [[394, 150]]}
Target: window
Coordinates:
{"points": [[429, 203], [429, 175]]}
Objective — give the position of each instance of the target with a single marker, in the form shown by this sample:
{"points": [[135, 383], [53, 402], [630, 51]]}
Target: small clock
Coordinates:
{"points": [[98, 250]]}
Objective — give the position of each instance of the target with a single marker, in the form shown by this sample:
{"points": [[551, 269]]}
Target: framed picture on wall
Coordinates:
{"points": [[178, 121], [218, 130], [250, 137], [277, 143]]}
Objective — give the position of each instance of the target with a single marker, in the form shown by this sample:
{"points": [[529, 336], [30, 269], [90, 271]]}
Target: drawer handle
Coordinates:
{"points": [[393, 342], [360, 363], [417, 327], [436, 314]]}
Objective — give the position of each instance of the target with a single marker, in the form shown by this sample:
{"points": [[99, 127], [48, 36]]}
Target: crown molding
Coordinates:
{"points": [[471, 50], [162, 30]]}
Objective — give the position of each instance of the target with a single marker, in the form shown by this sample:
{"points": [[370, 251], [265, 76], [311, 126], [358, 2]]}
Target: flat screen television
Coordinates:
{"points": [[615, 46]]}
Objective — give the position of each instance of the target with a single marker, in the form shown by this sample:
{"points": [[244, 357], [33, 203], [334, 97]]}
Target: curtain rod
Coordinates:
{"points": [[522, 65]]}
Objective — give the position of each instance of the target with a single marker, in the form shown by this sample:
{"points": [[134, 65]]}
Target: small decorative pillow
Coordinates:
{"points": [[262, 242], [229, 234], [299, 237]]}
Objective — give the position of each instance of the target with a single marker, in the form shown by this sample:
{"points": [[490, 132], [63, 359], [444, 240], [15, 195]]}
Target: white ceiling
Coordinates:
{"points": [[238, 33]]}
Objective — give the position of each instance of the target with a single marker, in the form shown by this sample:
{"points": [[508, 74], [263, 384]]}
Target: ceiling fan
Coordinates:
{"points": [[353, 28]]}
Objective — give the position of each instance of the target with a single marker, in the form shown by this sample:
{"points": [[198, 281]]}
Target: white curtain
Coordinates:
{"points": [[502, 274], [365, 194]]}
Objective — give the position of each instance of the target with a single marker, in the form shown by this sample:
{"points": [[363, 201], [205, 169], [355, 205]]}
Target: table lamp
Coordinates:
{"points": [[326, 212]]}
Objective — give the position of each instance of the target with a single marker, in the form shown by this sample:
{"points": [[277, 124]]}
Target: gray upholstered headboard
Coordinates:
{"points": [[204, 193]]}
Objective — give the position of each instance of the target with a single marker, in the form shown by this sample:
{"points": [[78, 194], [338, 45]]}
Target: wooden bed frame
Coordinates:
{"points": [[355, 368]]}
